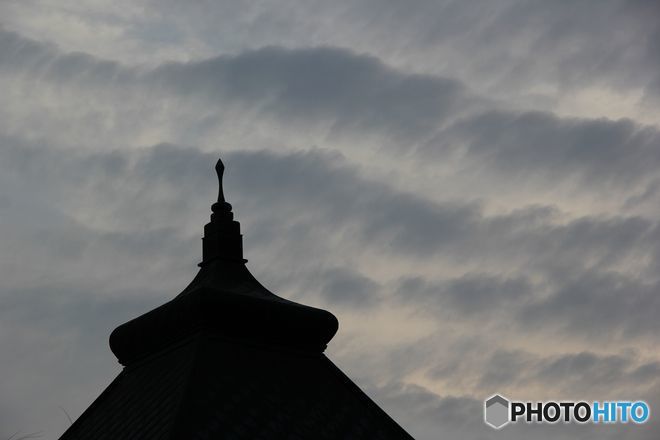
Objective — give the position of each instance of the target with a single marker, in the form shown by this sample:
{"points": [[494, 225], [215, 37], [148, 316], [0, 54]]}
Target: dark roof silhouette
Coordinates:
{"points": [[228, 359]]}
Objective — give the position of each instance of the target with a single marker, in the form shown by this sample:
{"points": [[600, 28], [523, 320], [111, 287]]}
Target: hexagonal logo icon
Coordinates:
{"points": [[496, 411]]}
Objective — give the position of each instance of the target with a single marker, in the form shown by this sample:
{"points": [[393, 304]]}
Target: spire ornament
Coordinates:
{"points": [[222, 235], [221, 206]]}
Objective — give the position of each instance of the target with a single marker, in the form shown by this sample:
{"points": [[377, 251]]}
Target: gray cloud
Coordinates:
{"points": [[534, 144], [470, 294], [510, 47], [582, 302], [344, 92], [331, 197], [581, 375], [349, 92], [343, 286], [23, 56], [469, 234], [356, 92], [598, 303], [402, 222], [359, 94]]}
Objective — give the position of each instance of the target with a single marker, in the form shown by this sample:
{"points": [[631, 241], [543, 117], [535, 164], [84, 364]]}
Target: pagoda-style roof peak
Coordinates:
{"points": [[227, 358], [226, 300]]}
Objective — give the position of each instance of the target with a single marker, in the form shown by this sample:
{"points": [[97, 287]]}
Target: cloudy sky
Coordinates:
{"points": [[471, 187]]}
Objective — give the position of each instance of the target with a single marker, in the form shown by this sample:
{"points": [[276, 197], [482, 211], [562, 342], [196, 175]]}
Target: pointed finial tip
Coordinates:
{"points": [[220, 169], [219, 166]]}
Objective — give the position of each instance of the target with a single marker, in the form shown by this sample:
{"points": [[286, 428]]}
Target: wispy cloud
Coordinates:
{"points": [[471, 187]]}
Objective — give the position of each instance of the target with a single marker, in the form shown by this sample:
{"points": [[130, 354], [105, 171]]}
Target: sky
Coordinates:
{"points": [[471, 187]]}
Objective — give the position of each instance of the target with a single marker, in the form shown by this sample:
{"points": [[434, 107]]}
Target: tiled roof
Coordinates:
{"points": [[141, 403], [212, 388]]}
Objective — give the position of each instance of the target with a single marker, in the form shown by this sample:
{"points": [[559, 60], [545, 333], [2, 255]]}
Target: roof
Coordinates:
{"points": [[209, 387], [227, 358]]}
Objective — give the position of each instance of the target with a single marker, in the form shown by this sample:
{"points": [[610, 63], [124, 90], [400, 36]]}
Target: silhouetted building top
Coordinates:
{"points": [[228, 359]]}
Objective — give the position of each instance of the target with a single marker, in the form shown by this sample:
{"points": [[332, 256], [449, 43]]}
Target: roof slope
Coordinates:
{"points": [[213, 388], [140, 403]]}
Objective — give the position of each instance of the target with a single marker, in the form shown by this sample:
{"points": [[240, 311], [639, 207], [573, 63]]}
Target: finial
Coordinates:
{"points": [[220, 170], [221, 206], [222, 235]]}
